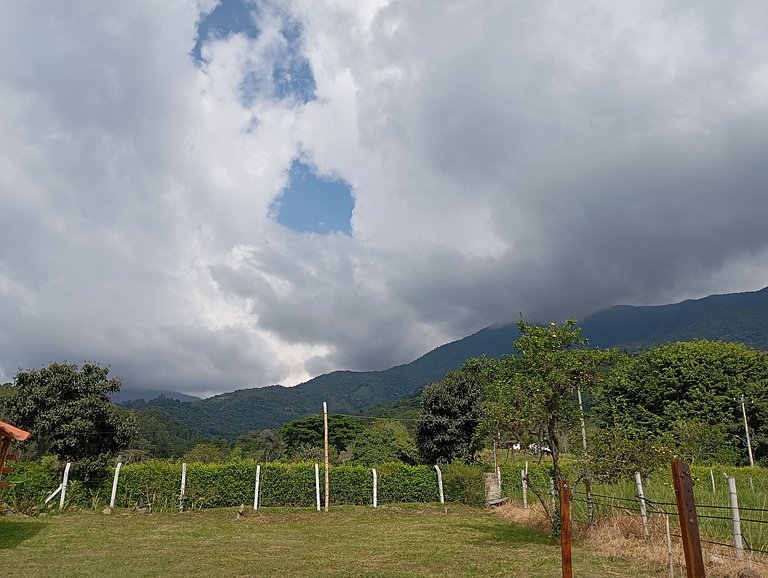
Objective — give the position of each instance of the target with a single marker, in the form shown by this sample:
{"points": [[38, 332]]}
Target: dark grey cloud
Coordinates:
{"points": [[533, 158]]}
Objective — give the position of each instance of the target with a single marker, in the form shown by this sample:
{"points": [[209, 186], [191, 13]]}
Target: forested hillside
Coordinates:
{"points": [[741, 317]]}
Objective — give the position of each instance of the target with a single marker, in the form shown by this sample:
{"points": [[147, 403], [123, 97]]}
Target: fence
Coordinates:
{"points": [[164, 485], [724, 525]]}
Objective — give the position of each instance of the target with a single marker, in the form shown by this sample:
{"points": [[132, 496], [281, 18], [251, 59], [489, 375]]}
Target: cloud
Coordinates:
{"points": [[526, 157]]}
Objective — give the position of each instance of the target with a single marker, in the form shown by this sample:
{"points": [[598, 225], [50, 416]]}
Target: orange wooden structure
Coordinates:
{"points": [[8, 433]]}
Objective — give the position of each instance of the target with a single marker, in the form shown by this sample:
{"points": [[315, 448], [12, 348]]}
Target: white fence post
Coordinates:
{"points": [[64, 485], [440, 483], [256, 488], [317, 485], [375, 489], [735, 518], [114, 485], [183, 486], [525, 488], [712, 477], [552, 491], [668, 539], [641, 498]]}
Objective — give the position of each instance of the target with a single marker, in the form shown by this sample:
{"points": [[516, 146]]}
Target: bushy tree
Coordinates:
{"points": [[67, 410], [533, 395], [687, 395], [300, 434], [447, 426], [386, 440]]}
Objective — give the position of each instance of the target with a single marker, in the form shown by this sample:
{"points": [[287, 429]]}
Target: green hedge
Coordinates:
{"points": [[157, 483]]}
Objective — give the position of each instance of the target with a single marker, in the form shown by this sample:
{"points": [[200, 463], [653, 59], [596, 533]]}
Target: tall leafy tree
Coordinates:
{"points": [[67, 410], [307, 432], [532, 395], [447, 427]]}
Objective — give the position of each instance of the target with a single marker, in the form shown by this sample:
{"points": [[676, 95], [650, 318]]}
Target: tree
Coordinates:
{"points": [[386, 440], [447, 427], [301, 434], [687, 395], [69, 414], [533, 395]]}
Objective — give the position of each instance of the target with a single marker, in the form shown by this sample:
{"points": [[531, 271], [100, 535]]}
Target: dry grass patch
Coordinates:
{"points": [[621, 536]]}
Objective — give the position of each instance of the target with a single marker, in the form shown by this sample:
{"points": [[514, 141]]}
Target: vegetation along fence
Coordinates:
{"points": [[731, 505], [158, 485]]}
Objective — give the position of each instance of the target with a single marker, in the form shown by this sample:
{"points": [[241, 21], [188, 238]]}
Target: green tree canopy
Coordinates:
{"points": [[67, 410], [687, 395], [300, 434], [533, 395], [447, 427], [386, 440]]}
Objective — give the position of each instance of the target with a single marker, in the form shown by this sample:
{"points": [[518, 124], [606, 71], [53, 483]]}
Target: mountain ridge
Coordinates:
{"points": [[730, 317]]}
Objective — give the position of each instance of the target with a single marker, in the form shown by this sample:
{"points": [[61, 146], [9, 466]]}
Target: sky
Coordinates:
{"points": [[208, 196]]}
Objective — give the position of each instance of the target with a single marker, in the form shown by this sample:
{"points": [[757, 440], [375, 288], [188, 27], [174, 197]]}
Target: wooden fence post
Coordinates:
{"points": [[565, 527], [689, 524], [325, 455]]}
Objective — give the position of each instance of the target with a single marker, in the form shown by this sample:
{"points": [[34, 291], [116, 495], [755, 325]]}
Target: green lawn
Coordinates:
{"points": [[396, 540]]}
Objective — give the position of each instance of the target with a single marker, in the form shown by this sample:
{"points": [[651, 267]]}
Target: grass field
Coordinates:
{"points": [[396, 540]]}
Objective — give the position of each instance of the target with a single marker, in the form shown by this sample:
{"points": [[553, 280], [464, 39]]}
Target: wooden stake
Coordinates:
{"points": [[325, 452], [565, 527], [689, 524]]}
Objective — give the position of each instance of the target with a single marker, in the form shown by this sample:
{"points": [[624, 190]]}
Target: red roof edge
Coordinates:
{"points": [[13, 432]]}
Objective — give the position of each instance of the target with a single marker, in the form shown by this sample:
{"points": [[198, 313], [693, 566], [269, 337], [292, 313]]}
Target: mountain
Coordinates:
{"points": [[735, 317], [149, 394], [741, 317]]}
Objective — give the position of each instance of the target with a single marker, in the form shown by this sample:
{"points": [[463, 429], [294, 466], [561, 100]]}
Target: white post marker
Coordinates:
{"points": [[114, 484], [746, 431], [735, 518], [641, 498], [317, 485], [525, 489], [256, 488], [375, 490], [183, 486], [668, 538], [53, 494], [64, 485], [712, 477], [325, 456], [440, 484], [552, 491]]}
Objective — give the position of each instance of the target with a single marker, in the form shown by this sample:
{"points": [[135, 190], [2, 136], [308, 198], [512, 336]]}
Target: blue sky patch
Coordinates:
{"points": [[315, 204], [229, 17], [291, 76]]}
